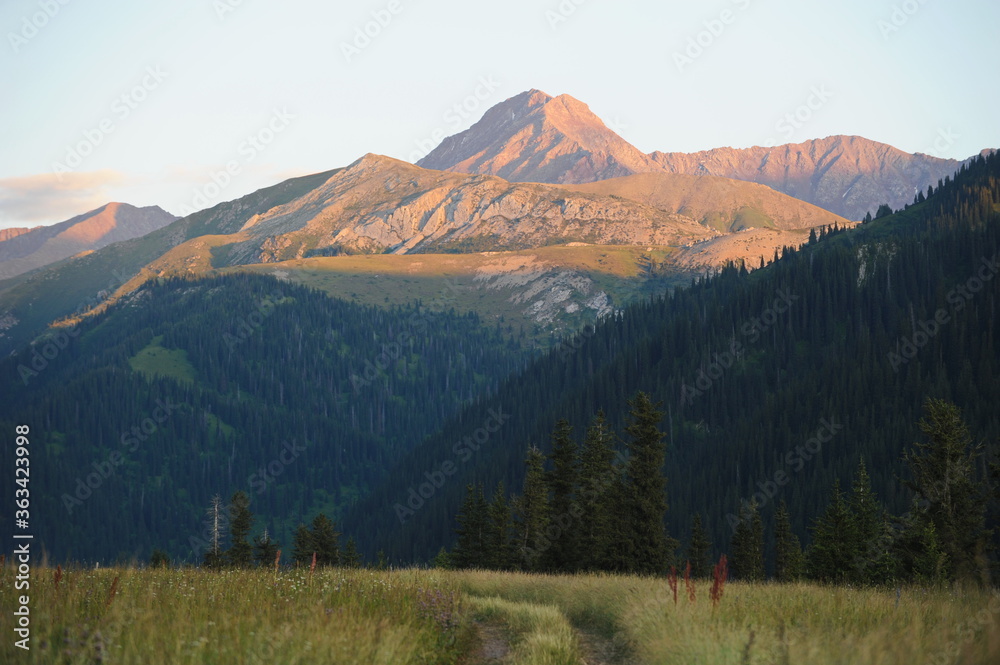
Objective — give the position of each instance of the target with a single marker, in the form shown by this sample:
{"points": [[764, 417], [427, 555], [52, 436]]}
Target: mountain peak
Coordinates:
{"points": [[534, 137]]}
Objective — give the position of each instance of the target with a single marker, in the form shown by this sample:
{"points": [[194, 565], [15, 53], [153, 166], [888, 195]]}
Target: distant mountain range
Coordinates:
{"points": [[379, 205], [536, 171], [7, 234], [533, 137], [33, 248]]}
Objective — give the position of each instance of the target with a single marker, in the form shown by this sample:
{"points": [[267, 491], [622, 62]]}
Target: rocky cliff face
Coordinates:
{"points": [[380, 204]]}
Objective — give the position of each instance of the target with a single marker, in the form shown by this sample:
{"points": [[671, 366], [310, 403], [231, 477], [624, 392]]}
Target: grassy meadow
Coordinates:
{"points": [[160, 616]]}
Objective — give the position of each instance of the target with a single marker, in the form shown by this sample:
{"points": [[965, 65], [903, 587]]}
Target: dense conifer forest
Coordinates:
{"points": [[775, 385], [760, 414], [196, 388]]}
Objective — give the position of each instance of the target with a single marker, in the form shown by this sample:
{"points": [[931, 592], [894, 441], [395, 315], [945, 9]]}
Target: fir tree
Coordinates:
{"points": [[788, 559], [872, 565], [944, 475], [597, 477], [264, 549], [470, 550], [325, 541], [240, 552], [350, 557], [748, 545], [564, 512], [442, 560], [302, 545], [645, 500], [499, 544], [532, 513], [834, 548], [699, 551]]}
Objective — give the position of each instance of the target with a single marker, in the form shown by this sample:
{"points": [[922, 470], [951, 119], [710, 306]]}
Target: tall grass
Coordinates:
{"points": [[154, 616], [161, 616], [797, 623]]}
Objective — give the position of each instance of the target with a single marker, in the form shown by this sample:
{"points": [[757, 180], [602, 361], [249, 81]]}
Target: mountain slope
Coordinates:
{"points": [[7, 234], [848, 175], [92, 230], [847, 338], [196, 387], [533, 137], [724, 204], [30, 302]]}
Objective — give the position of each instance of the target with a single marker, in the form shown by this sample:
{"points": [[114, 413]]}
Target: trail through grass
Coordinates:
{"points": [[159, 617]]}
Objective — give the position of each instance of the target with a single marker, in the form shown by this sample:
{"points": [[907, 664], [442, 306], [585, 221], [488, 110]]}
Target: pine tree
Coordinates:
{"points": [[699, 551], [532, 513], [499, 544], [834, 548], [645, 499], [325, 540], [240, 552], [597, 477], [350, 557], [564, 511], [302, 545], [944, 475], [442, 559], [748, 545], [470, 550], [872, 560], [788, 557], [264, 549]]}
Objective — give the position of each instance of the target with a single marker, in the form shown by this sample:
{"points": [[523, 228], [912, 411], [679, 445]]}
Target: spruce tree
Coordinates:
{"points": [[265, 549], [470, 550], [302, 545], [442, 560], [699, 551], [834, 548], [645, 499], [872, 565], [788, 557], [325, 540], [564, 511], [747, 560], [240, 552], [944, 475], [597, 477], [499, 543], [532, 513], [350, 557]]}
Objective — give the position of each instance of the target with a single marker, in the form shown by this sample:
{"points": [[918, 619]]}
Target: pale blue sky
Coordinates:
{"points": [[922, 76]]}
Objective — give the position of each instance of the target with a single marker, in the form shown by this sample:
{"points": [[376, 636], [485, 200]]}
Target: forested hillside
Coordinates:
{"points": [[804, 367], [194, 388]]}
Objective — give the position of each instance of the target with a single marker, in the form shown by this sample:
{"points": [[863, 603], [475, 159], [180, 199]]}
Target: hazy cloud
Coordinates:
{"points": [[49, 197]]}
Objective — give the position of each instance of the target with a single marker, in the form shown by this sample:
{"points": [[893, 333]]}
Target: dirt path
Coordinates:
{"points": [[494, 647], [598, 650]]}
